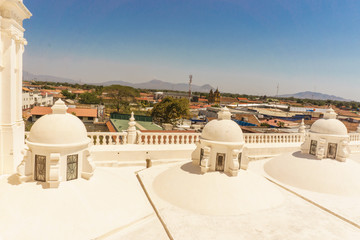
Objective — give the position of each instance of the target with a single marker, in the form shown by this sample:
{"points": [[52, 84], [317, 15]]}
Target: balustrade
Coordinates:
{"points": [[174, 138], [354, 137], [258, 138], [108, 138], [158, 138]]}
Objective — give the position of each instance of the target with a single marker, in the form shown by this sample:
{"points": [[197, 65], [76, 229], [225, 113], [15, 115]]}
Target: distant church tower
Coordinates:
{"points": [[217, 96], [211, 98], [12, 14]]}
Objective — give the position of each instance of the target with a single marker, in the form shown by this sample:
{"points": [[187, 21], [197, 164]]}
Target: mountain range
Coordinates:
{"points": [[153, 84], [162, 85], [315, 95]]}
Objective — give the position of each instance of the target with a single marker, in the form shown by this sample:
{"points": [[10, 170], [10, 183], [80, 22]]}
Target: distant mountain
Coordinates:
{"points": [[153, 84], [315, 95], [29, 76], [161, 85]]}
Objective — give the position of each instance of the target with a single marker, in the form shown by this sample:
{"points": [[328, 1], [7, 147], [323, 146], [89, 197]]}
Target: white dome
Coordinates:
{"points": [[215, 193], [223, 129], [329, 126], [323, 176], [58, 128]]}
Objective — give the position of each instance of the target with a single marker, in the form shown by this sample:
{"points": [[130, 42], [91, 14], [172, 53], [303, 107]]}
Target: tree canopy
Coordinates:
{"points": [[169, 110], [120, 96], [68, 95], [89, 98]]}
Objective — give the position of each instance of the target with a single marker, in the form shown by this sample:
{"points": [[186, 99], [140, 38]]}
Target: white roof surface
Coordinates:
{"points": [[324, 176], [215, 193], [294, 219], [110, 205]]}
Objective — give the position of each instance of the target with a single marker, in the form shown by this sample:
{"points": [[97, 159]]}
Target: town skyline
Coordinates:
{"points": [[241, 46]]}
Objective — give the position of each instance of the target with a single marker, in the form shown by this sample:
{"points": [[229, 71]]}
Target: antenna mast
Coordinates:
{"points": [[190, 81]]}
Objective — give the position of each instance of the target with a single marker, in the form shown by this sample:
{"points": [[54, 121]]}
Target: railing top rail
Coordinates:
{"points": [[271, 134], [170, 133], [107, 133]]}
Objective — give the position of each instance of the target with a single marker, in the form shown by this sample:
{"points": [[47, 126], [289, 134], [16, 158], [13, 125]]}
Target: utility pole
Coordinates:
{"points": [[277, 90], [190, 81]]}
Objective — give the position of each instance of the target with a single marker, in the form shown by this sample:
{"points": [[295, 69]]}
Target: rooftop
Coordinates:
{"points": [[79, 112]]}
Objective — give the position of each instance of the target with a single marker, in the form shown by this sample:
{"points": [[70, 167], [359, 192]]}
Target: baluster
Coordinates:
{"points": [[139, 140], [116, 138], [146, 139]]}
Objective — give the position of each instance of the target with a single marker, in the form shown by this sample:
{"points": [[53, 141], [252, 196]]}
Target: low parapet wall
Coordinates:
{"points": [[113, 149], [135, 154]]}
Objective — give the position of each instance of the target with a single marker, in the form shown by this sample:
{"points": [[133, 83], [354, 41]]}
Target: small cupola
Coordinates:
{"points": [[57, 149]]}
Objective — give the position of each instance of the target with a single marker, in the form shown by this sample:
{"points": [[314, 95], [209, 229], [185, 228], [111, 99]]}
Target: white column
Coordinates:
{"points": [[12, 130]]}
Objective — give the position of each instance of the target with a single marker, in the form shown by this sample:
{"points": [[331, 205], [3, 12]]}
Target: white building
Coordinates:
{"points": [[31, 99], [283, 194]]}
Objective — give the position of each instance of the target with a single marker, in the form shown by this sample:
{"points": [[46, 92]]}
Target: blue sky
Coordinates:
{"points": [[242, 46]]}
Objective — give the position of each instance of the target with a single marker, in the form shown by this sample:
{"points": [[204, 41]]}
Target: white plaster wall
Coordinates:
{"points": [[11, 46], [135, 154]]}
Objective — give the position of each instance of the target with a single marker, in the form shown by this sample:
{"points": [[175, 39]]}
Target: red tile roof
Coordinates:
{"points": [[79, 112], [110, 126], [78, 91]]}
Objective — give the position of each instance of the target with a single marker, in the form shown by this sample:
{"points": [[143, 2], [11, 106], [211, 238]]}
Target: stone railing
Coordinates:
{"points": [[354, 137], [108, 138], [265, 138], [159, 138]]}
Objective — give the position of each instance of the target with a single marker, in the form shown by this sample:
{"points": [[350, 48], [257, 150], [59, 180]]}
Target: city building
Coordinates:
{"points": [[87, 115], [33, 98]]}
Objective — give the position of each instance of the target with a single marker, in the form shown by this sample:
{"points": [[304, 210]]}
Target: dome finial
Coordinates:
{"points": [[302, 126], [224, 114], [59, 107], [330, 114]]}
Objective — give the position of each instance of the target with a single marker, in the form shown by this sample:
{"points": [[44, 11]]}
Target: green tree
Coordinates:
{"points": [[120, 95], [169, 110], [89, 98], [68, 95]]}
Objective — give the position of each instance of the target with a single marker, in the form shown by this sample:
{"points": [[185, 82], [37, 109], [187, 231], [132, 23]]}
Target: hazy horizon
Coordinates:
{"points": [[239, 46]]}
